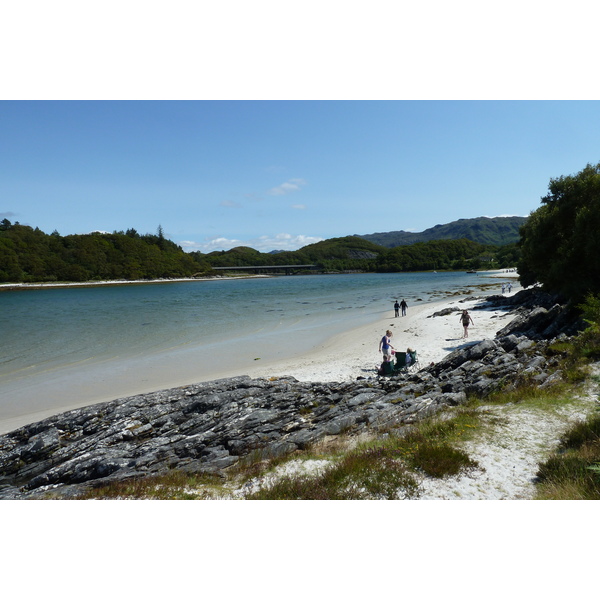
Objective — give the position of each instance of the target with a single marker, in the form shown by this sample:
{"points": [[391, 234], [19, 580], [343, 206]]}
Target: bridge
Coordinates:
{"points": [[287, 269]]}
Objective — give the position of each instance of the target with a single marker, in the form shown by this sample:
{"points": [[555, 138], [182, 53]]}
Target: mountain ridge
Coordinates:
{"points": [[497, 231]]}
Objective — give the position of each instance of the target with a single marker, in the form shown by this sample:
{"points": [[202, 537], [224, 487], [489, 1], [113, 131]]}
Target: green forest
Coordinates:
{"points": [[560, 243], [29, 255]]}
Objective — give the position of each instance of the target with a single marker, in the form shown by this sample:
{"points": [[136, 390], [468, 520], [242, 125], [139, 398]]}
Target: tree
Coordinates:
{"points": [[560, 244], [161, 237]]}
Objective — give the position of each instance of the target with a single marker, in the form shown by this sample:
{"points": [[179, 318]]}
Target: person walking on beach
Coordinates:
{"points": [[465, 319], [385, 345], [503, 287], [509, 287], [403, 306], [396, 308]]}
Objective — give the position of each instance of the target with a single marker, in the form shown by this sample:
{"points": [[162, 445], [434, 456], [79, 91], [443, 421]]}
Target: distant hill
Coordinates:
{"points": [[30, 255], [497, 231], [353, 253]]}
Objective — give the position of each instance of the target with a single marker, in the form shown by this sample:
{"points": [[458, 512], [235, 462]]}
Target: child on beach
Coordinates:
{"points": [[386, 367], [465, 319], [385, 345]]}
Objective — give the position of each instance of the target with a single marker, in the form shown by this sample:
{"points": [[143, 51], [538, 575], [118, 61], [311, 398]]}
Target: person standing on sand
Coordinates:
{"points": [[385, 345], [403, 306], [396, 308], [465, 319]]}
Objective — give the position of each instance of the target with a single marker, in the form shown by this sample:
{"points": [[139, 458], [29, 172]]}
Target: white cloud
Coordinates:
{"points": [[283, 241], [265, 243], [299, 206], [291, 185], [210, 244], [497, 216]]}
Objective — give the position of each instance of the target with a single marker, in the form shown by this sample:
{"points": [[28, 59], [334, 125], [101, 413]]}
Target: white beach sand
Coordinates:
{"points": [[355, 353]]}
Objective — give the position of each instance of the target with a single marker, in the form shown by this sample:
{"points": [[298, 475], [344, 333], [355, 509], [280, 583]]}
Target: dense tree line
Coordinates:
{"points": [[30, 255], [353, 253], [347, 253], [435, 255], [560, 243]]}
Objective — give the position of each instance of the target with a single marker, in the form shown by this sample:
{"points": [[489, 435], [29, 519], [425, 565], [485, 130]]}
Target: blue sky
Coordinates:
{"points": [[281, 174], [281, 124]]}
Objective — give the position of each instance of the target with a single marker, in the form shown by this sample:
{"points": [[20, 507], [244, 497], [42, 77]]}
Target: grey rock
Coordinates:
{"points": [[454, 399], [445, 312], [340, 425], [524, 345], [363, 397]]}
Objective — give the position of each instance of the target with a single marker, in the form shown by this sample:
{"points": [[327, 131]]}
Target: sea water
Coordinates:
{"points": [[116, 336]]}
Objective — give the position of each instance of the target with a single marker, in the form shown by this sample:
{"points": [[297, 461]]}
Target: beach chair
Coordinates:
{"points": [[400, 362], [414, 361], [406, 362]]}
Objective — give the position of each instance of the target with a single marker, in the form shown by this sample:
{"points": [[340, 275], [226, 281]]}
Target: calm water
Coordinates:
{"points": [[45, 328], [80, 342]]}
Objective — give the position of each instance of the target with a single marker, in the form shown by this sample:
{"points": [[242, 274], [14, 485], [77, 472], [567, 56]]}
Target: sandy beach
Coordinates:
{"points": [[350, 354], [39, 286], [355, 353]]}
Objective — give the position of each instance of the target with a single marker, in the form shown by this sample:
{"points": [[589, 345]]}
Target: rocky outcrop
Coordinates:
{"points": [[208, 427], [538, 315], [200, 428]]}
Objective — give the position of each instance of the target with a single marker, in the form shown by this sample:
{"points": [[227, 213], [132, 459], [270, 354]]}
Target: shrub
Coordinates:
{"points": [[572, 472]]}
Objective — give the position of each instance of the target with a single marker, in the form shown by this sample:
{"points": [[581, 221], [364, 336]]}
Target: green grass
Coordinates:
{"points": [[571, 473], [173, 485], [431, 447], [386, 467], [530, 395], [367, 474]]}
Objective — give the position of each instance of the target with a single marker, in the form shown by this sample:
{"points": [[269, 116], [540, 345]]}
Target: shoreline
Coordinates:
{"points": [[345, 356], [496, 273], [354, 353], [68, 284]]}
